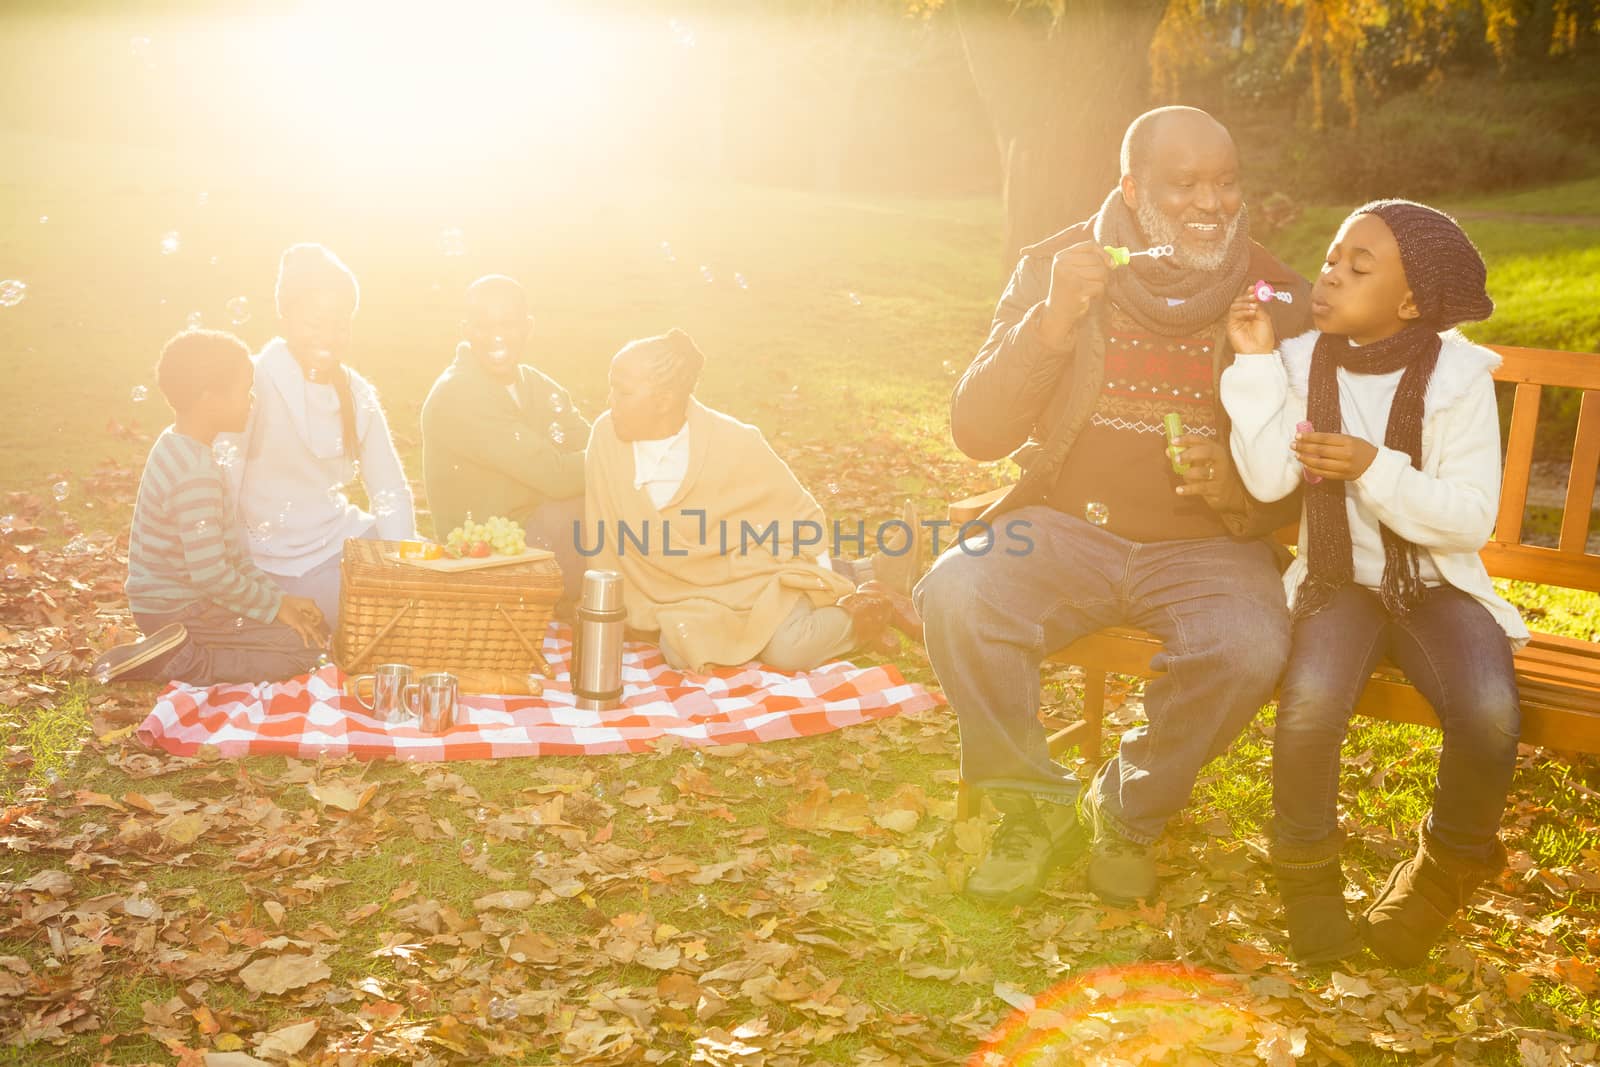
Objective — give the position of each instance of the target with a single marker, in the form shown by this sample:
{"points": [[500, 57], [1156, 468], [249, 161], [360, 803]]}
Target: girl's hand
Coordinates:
{"points": [[1334, 455], [1249, 326]]}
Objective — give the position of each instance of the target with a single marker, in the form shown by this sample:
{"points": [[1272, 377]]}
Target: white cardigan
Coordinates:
{"points": [[1447, 508], [292, 461]]}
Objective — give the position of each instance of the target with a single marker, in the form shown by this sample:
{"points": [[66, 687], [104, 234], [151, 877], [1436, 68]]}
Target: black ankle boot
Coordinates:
{"points": [[1311, 884]]}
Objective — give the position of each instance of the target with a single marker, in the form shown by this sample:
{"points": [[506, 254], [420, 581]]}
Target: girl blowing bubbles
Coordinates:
{"points": [[1405, 441]]}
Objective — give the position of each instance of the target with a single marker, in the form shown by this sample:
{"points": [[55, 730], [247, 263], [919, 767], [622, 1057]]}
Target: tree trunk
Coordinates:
{"points": [[1059, 93]]}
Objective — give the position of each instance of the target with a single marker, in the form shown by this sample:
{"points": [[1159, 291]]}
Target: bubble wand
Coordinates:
{"points": [[1264, 292], [1121, 257]]}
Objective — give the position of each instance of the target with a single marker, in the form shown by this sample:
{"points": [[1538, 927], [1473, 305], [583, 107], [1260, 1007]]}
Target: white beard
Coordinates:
{"points": [[1161, 230]]}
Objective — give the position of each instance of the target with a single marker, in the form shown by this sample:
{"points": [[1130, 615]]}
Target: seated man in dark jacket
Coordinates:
{"points": [[1084, 361], [499, 437]]}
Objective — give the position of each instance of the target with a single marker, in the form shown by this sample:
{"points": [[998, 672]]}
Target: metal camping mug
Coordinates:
{"points": [[436, 701], [392, 699]]}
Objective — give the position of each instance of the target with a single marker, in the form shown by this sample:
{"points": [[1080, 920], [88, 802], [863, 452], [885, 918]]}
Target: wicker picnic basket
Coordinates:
{"points": [[489, 619]]}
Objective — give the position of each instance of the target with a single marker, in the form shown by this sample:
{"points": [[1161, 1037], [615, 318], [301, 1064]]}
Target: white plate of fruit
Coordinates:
{"points": [[471, 545]]}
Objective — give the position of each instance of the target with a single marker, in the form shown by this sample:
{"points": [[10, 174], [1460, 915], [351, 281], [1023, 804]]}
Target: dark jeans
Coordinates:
{"points": [[989, 620], [1452, 650], [224, 647]]}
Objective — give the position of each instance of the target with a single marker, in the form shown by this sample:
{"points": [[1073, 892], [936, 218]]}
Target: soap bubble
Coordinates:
{"points": [[194, 320], [239, 310], [700, 901], [43, 219], [501, 1010], [139, 393], [78, 546], [855, 300], [102, 674], [760, 781], [12, 570], [699, 758], [705, 272], [60, 491], [338, 498], [516, 435], [557, 434], [738, 279], [261, 532], [202, 527], [12, 292], [452, 242], [557, 405], [226, 453], [599, 791], [1096, 513], [238, 622], [951, 366], [171, 241], [386, 502], [7, 524], [666, 251]]}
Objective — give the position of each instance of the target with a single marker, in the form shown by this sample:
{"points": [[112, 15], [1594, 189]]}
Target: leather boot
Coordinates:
{"points": [[1415, 905], [1033, 838], [1311, 884]]}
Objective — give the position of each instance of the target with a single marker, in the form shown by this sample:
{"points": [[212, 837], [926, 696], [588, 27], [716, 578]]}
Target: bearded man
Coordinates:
{"points": [[1084, 361]]}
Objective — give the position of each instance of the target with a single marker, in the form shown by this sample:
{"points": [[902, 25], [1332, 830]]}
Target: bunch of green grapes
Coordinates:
{"points": [[498, 534]]}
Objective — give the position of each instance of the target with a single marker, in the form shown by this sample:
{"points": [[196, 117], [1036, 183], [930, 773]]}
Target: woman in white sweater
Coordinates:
{"points": [[315, 429], [1392, 426]]}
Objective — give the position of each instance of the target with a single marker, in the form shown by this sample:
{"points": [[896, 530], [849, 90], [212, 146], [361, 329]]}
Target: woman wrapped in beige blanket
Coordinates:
{"points": [[723, 552]]}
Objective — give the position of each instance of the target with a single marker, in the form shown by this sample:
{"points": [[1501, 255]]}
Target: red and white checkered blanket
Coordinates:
{"points": [[310, 716]]}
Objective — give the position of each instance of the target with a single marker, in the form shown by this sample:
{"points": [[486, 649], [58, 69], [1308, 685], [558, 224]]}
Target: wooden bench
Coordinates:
{"points": [[1559, 677]]}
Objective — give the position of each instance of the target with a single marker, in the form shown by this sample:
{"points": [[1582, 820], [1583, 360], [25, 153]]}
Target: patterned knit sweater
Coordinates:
{"points": [[1118, 475]]}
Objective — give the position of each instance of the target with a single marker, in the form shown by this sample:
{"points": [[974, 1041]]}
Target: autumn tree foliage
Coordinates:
{"points": [[1061, 78]]}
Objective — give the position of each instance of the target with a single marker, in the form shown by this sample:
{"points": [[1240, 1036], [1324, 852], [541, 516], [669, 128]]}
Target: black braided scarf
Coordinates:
{"points": [[1330, 564]]}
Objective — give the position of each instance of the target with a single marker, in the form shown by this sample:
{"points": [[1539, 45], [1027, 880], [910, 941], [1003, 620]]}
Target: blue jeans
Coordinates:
{"points": [[1456, 655], [989, 620]]}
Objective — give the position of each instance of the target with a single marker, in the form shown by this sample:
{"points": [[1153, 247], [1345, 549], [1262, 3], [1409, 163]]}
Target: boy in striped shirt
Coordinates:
{"points": [[210, 614]]}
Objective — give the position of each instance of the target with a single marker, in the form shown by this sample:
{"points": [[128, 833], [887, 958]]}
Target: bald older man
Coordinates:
{"points": [[502, 438], [1084, 360]]}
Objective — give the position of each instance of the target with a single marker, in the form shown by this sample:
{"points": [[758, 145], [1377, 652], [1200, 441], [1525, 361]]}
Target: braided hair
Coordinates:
{"points": [[671, 362]]}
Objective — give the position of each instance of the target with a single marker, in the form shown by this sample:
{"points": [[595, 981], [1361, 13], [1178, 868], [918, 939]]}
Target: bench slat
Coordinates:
{"points": [[1544, 566], [1580, 481], [1519, 460], [1543, 366], [1559, 680]]}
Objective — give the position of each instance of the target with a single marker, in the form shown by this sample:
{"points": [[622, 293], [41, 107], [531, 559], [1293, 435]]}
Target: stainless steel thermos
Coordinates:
{"points": [[597, 642]]}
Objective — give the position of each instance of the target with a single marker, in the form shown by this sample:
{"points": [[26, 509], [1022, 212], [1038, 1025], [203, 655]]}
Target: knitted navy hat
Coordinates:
{"points": [[1442, 266]]}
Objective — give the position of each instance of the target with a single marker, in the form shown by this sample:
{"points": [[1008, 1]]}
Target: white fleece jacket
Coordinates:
{"points": [[292, 464], [1447, 508]]}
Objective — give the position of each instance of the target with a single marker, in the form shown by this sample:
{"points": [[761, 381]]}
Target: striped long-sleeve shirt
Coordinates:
{"points": [[186, 545]]}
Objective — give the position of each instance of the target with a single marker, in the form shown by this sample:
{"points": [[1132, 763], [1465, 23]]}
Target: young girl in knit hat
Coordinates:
{"points": [[1401, 467]]}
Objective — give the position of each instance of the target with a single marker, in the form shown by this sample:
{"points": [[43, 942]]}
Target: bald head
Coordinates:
{"points": [[497, 324], [1180, 179], [1164, 127], [496, 290]]}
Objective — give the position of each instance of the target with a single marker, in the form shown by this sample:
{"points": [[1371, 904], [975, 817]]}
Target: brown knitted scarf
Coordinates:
{"points": [[1330, 563], [1141, 289]]}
